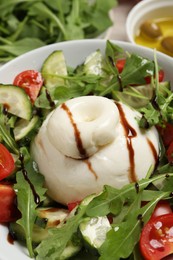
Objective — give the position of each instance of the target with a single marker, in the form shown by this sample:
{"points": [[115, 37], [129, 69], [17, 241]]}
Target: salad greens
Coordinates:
{"points": [[29, 24], [123, 205]]}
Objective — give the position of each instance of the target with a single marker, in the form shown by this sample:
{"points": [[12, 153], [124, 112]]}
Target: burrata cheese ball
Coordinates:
{"points": [[92, 141]]}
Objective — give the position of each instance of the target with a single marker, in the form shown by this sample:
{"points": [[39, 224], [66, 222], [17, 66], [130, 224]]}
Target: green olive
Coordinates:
{"points": [[167, 44], [151, 30]]}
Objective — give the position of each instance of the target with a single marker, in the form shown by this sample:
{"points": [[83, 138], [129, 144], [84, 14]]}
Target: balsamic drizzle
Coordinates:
{"points": [[88, 163], [120, 83], [24, 172], [154, 152], [5, 109], [130, 133], [51, 102], [78, 139], [137, 187]]}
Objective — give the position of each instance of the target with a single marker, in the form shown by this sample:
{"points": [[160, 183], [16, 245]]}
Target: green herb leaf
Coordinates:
{"points": [[29, 188]]}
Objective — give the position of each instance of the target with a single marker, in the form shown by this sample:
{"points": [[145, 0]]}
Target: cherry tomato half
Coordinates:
{"points": [[31, 81], [7, 164], [9, 211], [156, 239], [166, 134]]}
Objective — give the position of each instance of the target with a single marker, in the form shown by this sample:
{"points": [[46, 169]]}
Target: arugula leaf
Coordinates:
{"points": [[5, 134], [29, 188]]}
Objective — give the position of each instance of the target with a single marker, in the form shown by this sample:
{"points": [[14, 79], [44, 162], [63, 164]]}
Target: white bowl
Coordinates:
{"points": [[145, 10], [75, 53]]}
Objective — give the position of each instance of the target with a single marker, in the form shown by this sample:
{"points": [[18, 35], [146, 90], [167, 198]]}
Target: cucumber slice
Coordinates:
{"points": [[164, 87], [140, 96], [38, 233], [24, 127], [136, 97], [53, 67], [94, 63], [94, 231], [16, 101], [70, 250], [86, 201]]}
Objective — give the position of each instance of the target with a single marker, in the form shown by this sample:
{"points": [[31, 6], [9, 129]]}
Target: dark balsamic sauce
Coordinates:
{"points": [[154, 152], [78, 139], [24, 172], [51, 102], [130, 133], [140, 218], [137, 187], [91, 168], [120, 83], [5, 109], [155, 104], [10, 238], [111, 61]]}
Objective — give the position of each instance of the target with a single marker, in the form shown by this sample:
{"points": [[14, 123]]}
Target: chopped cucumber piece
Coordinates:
{"points": [[94, 230], [164, 87], [16, 101], [94, 63], [86, 201], [24, 127], [136, 97], [140, 96], [70, 250], [53, 68], [18, 232]]}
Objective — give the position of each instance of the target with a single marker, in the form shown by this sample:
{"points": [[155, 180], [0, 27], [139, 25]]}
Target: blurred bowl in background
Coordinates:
{"points": [[150, 23]]}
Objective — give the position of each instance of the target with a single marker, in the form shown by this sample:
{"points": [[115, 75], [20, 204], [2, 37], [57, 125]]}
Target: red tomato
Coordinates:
{"points": [[161, 77], [166, 134], [169, 153], [120, 65], [31, 81], [7, 164], [162, 207], [156, 239], [72, 205], [8, 208]]}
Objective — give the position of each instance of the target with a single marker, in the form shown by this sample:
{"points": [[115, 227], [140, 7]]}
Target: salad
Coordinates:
{"points": [[129, 222]]}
